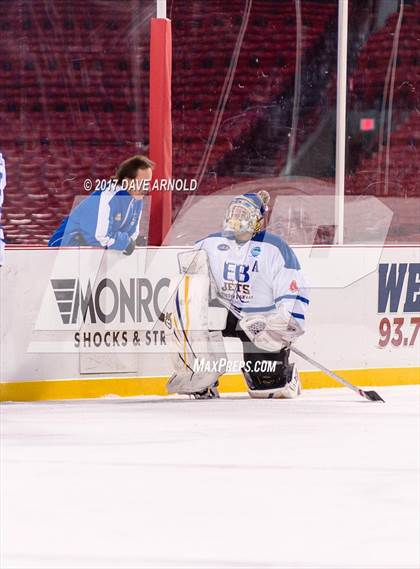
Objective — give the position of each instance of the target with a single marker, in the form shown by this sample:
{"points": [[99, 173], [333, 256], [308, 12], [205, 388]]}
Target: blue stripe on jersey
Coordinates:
{"points": [[293, 297], [290, 259], [255, 309], [297, 315]]}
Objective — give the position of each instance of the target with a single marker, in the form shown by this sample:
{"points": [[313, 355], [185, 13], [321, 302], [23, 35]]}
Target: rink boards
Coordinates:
{"points": [[84, 323]]}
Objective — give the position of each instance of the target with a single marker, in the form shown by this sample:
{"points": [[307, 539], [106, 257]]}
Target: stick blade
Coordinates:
{"points": [[373, 396]]}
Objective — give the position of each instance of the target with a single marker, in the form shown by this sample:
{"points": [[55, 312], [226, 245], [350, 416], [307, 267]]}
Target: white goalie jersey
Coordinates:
{"points": [[258, 275]]}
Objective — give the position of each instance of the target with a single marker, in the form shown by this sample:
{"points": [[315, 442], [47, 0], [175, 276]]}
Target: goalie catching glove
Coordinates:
{"points": [[272, 332]]}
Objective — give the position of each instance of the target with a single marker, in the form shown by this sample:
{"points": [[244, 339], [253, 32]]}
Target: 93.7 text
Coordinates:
{"points": [[398, 331]]}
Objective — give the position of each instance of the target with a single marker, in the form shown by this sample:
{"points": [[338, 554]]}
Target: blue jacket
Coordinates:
{"points": [[109, 218]]}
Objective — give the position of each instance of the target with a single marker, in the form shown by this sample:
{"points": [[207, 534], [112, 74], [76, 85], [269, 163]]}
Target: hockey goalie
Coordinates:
{"points": [[242, 282]]}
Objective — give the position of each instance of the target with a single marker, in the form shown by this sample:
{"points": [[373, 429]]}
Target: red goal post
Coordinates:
{"points": [[160, 125]]}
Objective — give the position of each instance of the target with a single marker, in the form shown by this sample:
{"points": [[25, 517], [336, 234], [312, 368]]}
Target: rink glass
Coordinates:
{"points": [[253, 105]]}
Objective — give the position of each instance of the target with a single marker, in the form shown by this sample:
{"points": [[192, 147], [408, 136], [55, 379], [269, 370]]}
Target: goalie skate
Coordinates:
{"points": [[210, 393], [291, 390]]}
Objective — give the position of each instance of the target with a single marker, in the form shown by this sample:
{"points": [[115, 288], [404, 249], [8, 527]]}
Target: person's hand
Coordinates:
{"points": [[141, 241], [130, 247]]}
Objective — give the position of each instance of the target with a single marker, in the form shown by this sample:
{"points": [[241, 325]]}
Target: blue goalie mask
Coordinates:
{"points": [[245, 215]]}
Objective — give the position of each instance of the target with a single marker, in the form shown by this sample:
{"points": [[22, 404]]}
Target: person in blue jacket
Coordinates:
{"points": [[109, 218]]}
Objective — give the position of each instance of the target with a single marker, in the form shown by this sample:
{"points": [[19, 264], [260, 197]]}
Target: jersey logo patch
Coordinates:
{"points": [[293, 286], [223, 247], [118, 217], [255, 251]]}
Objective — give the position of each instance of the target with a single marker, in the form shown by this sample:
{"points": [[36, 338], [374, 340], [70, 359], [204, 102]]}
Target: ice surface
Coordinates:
{"points": [[327, 481]]}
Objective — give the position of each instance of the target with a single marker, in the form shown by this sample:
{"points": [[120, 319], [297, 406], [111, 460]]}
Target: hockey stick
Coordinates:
{"points": [[370, 395]]}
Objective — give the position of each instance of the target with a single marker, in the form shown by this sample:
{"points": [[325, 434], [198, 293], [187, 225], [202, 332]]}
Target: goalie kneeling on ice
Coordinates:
{"points": [[199, 356], [257, 276]]}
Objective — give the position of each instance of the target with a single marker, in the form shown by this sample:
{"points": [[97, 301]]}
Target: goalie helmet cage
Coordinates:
{"points": [[160, 121]]}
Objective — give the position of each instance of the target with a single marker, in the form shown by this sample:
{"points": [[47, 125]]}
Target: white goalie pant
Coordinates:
{"points": [[196, 352]]}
